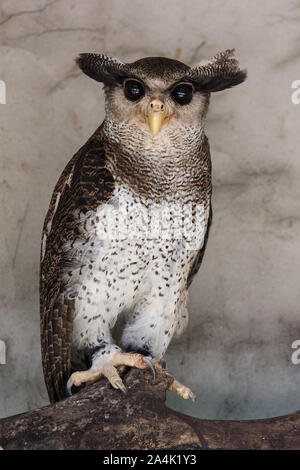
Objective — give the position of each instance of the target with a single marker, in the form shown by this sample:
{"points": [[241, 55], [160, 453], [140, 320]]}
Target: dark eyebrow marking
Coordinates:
{"points": [[134, 77], [182, 80]]}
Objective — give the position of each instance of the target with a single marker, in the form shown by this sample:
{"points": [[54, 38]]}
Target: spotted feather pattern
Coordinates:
{"points": [[85, 185]]}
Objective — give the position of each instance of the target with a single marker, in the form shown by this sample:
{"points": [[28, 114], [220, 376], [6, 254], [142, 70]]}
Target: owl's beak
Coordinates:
{"points": [[155, 116]]}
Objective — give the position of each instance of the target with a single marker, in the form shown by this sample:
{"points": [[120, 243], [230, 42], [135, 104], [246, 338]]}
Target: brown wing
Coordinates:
{"points": [[198, 260], [84, 185], [205, 187]]}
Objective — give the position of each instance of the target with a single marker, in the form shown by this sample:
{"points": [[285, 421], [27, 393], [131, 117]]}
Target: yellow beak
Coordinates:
{"points": [[155, 121], [156, 115]]}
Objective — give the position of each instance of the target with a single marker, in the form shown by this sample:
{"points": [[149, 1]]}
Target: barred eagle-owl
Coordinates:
{"points": [[128, 222]]}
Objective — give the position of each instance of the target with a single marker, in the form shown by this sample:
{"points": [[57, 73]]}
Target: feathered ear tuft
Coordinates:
{"points": [[218, 74], [109, 70]]}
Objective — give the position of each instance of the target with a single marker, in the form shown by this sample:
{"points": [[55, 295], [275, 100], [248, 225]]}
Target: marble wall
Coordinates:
{"points": [[244, 304]]}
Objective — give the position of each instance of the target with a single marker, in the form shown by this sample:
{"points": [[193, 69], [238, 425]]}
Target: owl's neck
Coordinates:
{"points": [[175, 163]]}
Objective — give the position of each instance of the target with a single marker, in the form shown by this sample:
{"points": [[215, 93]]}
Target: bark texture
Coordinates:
{"points": [[98, 417]]}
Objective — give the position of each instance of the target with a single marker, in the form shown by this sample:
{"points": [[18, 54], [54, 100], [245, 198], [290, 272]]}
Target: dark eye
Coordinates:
{"points": [[133, 90], [183, 93]]}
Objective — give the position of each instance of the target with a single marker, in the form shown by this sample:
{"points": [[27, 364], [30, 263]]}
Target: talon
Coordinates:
{"points": [[69, 386], [119, 384], [149, 364], [108, 368]]}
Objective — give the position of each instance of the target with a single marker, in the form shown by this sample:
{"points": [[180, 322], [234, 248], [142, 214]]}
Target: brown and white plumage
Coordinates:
{"points": [[84, 184], [88, 280]]}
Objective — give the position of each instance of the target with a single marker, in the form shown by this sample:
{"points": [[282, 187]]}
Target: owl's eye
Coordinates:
{"points": [[133, 90], [183, 93]]}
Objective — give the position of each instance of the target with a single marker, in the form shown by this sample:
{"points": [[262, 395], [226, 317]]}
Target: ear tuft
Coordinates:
{"points": [[218, 74], [109, 70]]}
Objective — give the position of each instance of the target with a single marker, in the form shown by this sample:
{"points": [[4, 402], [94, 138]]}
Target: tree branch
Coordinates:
{"points": [[98, 417]]}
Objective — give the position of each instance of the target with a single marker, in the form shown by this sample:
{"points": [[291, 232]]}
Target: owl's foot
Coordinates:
{"points": [[180, 389], [107, 368]]}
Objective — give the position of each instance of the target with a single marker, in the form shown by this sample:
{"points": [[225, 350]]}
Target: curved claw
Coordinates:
{"points": [[69, 386], [149, 364], [119, 384]]}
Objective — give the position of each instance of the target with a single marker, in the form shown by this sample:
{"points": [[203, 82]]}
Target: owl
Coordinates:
{"points": [[128, 222]]}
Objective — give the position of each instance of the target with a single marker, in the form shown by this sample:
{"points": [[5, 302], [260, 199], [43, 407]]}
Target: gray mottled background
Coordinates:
{"points": [[244, 304]]}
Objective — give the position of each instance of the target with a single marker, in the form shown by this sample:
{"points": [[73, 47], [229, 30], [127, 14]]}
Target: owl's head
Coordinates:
{"points": [[158, 93]]}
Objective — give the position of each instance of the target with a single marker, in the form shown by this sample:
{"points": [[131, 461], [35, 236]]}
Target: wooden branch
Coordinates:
{"points": [[98, 417]]}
